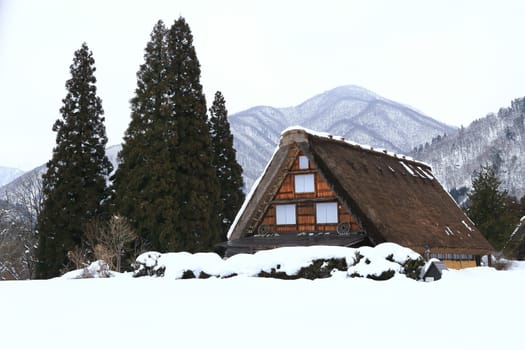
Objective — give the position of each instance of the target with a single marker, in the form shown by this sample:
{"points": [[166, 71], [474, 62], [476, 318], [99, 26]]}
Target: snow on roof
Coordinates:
{"points": [[407, 168], [467, 226], [427, 174]]}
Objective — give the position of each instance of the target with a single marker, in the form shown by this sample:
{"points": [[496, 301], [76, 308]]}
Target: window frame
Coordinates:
{"points": [[290, 214], [324, 214], [303, 183], [304, 162]]}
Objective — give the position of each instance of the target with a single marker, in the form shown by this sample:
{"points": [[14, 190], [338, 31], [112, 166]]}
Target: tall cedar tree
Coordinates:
{"points": [[229, 172], [488, 208], [144, 188], [166, 184], [198, 187], [74, 185]]}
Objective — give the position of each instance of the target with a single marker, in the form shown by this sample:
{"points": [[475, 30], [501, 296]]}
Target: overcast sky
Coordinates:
{"points": [[453, 60]]}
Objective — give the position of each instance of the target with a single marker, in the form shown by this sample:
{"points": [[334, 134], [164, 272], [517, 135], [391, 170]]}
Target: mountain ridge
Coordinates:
{"points": [[350, 111], [8, 174]]}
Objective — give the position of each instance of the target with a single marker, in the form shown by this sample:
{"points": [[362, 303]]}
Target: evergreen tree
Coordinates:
{"points": [[166, 184], [144, 188], [229, 172], [74, 185], [488, 208], [198, 187]]}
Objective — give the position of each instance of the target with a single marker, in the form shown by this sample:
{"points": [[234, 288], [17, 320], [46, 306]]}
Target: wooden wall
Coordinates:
{"points": [[459, 264], [305, 204], [305, 219], [286, 192]]}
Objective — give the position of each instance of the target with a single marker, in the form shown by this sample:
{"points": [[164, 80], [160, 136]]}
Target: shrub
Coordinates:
{"points": [[412, 267], [357, 257], [276, 274], [385, 275], [319, 268], [188, 274], [147, 265]]}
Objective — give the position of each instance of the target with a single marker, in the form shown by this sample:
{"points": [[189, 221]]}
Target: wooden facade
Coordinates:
{"points": [[305, 205]]}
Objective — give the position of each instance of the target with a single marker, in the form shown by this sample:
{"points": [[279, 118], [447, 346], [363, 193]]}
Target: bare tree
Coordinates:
{"points": [[110, 240], [24, 200], [13, 240], [29, 195], [79, 257]]}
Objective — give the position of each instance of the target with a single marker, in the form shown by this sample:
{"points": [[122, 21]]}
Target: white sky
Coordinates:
{"points": [[453, 60]]}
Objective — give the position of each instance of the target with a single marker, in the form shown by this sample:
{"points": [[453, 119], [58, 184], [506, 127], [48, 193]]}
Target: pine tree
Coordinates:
{"points": [[198, 222], [166, 184], [488, 208], [144, 188], [229, 172], [74, 185]]}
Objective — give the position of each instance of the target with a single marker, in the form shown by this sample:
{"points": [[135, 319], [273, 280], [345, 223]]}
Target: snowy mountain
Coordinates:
{"points": [[28, 181], [349, 111], [8, 174], [498, 140]]}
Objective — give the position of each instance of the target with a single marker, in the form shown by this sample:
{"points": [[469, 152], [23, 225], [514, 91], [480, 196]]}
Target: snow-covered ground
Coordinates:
{"points": [[478, 308]]}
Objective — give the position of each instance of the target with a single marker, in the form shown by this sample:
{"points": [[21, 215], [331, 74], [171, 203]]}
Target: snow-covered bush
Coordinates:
{"points": [[379, 263], [147, 264], [97, 269], [319, 268]]}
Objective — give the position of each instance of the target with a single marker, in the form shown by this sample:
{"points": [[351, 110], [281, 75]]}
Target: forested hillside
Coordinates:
{"points": [[497, 141]]}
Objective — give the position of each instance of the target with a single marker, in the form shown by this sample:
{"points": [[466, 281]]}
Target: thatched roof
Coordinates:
{"points": [[396, 198]]}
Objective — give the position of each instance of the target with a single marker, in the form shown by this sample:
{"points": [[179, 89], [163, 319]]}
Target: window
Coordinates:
{"points": [[326, 213], [304, 183], [303, 162], [285, 214]]}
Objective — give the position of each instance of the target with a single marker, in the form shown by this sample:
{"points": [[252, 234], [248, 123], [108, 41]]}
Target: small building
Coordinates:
{"points": [[433, 270], [322, 190]]}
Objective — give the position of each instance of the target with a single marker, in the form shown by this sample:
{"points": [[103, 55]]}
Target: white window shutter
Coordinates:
{"points": [[303, 162], [326, 213], [304, 183], [285, 214]]}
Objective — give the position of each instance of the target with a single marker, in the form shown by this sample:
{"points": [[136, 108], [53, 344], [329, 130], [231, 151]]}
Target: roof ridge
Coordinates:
{"points": [[291, 134]]}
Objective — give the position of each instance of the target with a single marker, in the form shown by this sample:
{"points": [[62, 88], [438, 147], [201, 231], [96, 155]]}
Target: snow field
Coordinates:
{"points": [[472, 308]]}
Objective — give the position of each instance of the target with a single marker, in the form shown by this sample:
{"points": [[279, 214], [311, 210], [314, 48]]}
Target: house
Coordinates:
{"points": [[322, 190]]}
